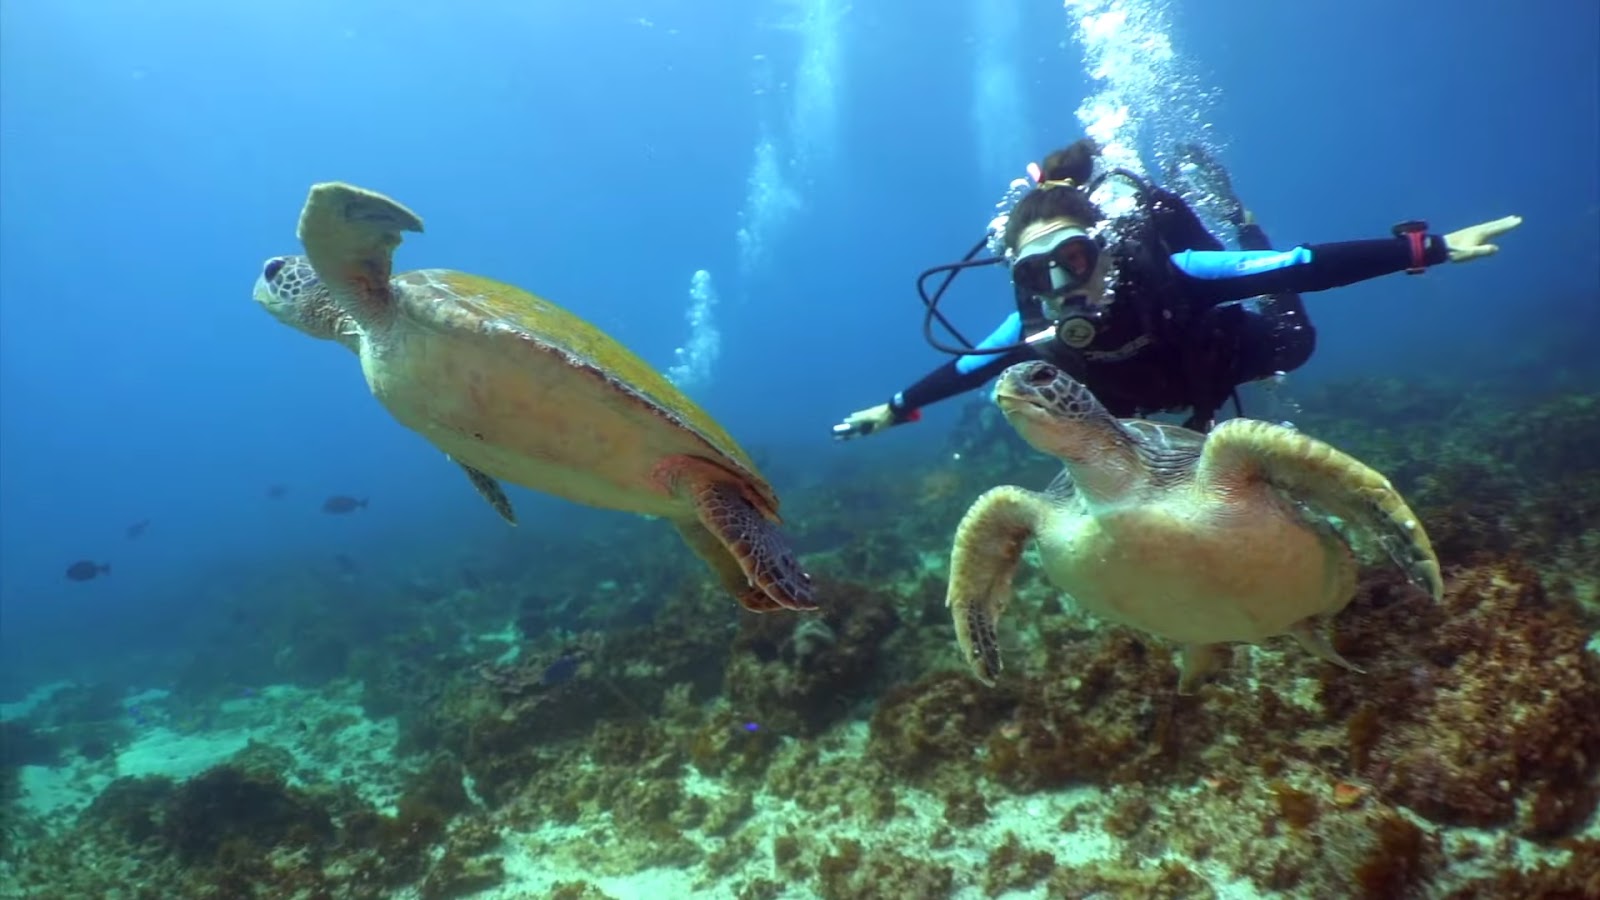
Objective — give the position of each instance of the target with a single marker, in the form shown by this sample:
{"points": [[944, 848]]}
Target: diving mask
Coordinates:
{"points": [[1054, 265]]}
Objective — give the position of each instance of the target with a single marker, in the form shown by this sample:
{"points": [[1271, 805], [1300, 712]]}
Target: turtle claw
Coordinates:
{"points": [[756, 543]]}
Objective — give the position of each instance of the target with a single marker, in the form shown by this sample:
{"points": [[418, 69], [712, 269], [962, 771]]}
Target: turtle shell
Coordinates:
{"points": [[524, 390]]}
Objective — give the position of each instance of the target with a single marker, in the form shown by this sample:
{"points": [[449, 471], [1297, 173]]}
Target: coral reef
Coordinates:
{"points": [[801, 674], [1478, 711], [592, 733]]}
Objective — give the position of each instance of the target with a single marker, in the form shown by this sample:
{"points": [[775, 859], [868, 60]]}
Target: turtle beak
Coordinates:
{"points": [[1029, 384], [275, 303], [263, 292]]}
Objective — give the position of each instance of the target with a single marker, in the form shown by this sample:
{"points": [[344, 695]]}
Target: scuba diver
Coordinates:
{"points": [[1145, 309]]}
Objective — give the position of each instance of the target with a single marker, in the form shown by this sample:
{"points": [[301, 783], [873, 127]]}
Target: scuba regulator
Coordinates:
{"points": [[1056, 335]]}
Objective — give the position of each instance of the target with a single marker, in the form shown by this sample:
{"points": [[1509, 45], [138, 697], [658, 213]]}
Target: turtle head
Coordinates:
{"points": [[1057, 415], [290, 289]]}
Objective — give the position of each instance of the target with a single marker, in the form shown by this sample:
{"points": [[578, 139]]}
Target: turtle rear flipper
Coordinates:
{"points": [[1307, 471], [350, 234], [490, 490], [729, 572], [727, 512], [988, 546]]}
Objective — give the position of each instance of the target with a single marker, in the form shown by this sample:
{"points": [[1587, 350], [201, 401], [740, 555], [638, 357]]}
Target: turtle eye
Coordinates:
{"points": [[1042, 375], [274, 266]]}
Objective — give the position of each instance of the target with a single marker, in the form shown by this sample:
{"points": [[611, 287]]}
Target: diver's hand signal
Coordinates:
{"points": [[1472, 242], [864, 422]]}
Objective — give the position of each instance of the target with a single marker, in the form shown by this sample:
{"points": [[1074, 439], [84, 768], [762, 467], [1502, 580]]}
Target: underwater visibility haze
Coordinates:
{"points": [[259, 638]]}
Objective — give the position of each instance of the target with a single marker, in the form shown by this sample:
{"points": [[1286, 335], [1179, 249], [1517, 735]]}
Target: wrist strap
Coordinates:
{"points": [[1416, 234], [897, 406]]}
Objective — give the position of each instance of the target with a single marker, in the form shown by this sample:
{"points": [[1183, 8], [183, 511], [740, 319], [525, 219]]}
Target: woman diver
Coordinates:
{"points": [[1140, 307]]}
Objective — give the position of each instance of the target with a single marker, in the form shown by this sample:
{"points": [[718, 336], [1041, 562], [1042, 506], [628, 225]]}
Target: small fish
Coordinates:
{"points": [[136, 530], [277, 491], [87, 570], [562, 670], [340, 505]]}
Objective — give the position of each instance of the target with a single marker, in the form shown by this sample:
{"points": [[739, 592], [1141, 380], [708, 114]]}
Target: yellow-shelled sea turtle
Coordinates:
{"points": [[1251, 531], [514, 388]]}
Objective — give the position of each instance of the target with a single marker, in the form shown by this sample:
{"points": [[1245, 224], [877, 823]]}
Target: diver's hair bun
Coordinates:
{"points": [[1049, 201], [1075, 161]]}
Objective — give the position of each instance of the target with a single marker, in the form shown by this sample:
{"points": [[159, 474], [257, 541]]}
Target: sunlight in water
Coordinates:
{"points": [[769, 202], [999, 119], [785, 162], [814, 113]]}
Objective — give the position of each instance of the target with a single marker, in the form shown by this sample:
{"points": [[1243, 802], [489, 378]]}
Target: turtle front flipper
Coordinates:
{"points": [[350, 234], [490, 490], [726, 566], [726, 509], [1307, 471], [988, 546]]}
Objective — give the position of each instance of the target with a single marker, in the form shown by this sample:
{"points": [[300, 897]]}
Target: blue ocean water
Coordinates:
{"points": [[810, 156], [600, 154]]}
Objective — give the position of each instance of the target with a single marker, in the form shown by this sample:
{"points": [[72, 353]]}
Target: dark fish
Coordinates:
{"points": [[87, 570], [340, 505], [137, 529], [277, 491], [562, 670]]}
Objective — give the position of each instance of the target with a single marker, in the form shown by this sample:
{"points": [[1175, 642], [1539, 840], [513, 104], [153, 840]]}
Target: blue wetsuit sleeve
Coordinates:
{"points": [[1218, 277], [965, 373], [1009, 332]]}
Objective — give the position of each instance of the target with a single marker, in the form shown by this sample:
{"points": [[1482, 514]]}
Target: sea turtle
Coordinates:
{"points": [[514, 388], [1252, 531]]}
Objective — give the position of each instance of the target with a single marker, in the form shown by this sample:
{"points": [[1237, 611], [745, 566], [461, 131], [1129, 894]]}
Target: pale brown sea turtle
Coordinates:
{"points": [[514, 388], [1252, 531]]}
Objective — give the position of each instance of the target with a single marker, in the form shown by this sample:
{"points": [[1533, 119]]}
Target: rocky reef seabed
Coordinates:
{"points": [[607, 734]]}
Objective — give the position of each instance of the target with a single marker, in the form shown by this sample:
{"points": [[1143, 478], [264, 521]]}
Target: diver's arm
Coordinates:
{"points": [[1218, 277], [1251, 236], [964, 373], [1177, 223]]}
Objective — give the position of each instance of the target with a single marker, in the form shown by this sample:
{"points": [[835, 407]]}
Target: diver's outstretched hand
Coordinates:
{"points": [[864, 422], [1473, 242]]}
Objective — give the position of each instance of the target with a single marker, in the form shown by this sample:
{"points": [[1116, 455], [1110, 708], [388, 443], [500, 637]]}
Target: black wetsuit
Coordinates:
{"points": [[1174, 338]]}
